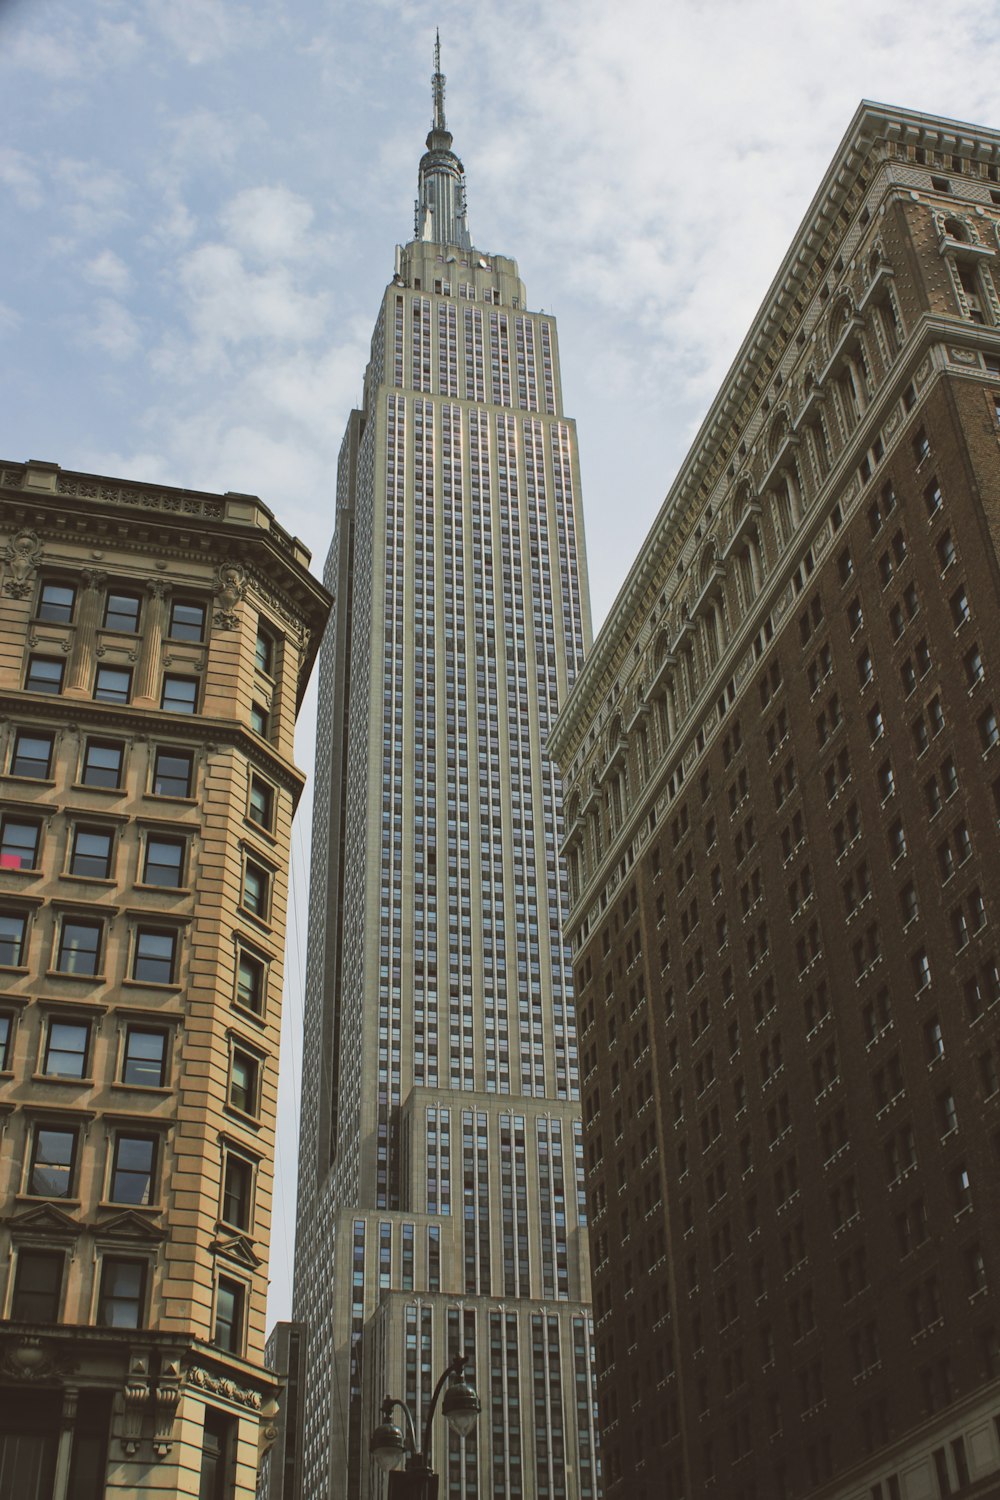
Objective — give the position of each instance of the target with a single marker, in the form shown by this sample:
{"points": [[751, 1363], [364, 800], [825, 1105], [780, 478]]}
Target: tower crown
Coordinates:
{"points": [[440, 214]]}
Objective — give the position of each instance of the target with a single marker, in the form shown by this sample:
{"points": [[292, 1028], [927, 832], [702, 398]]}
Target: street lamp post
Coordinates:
{"points": [[390, 1444]]}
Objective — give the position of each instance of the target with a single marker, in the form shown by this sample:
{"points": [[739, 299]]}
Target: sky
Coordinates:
{"points": [[200, 201]]}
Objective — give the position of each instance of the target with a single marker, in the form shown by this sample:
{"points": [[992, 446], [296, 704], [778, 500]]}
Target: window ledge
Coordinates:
{"points": [[91, 979], [171, 988], [26, 780], [104, 880], [100, 791]]}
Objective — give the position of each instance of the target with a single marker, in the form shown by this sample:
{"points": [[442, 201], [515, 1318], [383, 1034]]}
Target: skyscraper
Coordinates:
{"points": [[440, 1179], [782, 768]]}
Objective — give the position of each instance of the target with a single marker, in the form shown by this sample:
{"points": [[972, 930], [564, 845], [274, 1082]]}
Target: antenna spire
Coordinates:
{"points": [[437, 83]]}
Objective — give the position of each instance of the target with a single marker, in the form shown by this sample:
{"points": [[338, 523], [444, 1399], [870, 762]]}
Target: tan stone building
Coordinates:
{"points": [[154, 647], [782, 771]]}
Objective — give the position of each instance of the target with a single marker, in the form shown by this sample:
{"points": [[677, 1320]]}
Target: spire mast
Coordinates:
{"points": [[440, 214], [437, 83]]}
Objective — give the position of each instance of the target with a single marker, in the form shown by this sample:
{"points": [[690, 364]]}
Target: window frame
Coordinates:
{"points": [[34, 1255], [175, 706], [180, 844], [261, 911], [265, 659], [91, 831], [126, 1059], [86, 769], [33, 1164], [19, 945], [236, 1339], [149, 1175], [113, 594], [8, 1016], [143, 932], [245, 1194], [97, 925], [250, 1090], [102, 694], [259, 966], [62, 1019], [183, 603], [19, 820], [175, 753], [27, 735], [60, 616], [35, 659], [258, 784], [105, 1296]]}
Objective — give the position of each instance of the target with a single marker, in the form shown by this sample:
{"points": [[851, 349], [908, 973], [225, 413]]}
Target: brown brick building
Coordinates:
{"points": [[154, 646], [783, 787]]}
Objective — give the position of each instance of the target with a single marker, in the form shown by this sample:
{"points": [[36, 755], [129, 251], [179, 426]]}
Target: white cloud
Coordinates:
{"points": [[112, 329], [10, 319], [21, 175], [109, 271], [269, 223], [203, 31], [227, 304]]}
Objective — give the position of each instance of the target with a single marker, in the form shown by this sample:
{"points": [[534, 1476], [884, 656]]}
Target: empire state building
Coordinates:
{"points": [[441, 1204]]}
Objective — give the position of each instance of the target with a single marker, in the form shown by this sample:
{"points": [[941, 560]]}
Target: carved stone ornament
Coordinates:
{"points": [[230, 589], [135, 1400], [23, 554], [221, 1385], [168, 1393], [27, 1359]]}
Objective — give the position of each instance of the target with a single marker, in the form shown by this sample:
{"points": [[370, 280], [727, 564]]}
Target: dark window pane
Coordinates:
{"points": [[154, 957], [250, 983], [229, 1315], [37, 1286], [180, 694], [113, 684], [164, 863], [79, 948], [145, 1057], [32, 756], [66, 1051], [121, 612], [19, 843], [56, 602], [132, 1174], [261, 802], [123, 1284], [6, 1029], [255, 889], [236, 1189], [187, 621], [92, 853], [45, 674], [243, 1082], [13, 927], [102, 763], [173, 774], [258, 719], [264, 652], [51, 1173]]}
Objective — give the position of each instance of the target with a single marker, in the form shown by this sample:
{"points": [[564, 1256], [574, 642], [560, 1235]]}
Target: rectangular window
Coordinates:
{"points": [[244, 1082], [56, 601], [91, 853], [133, 1170], [259, 719], [102, 763], [32, 756], [264, 651], [113, 684], [237, 1191], [66, 1049], [53, 1159], [6, 1033], [230, 1299], [251, 975], [123, 1288], [144, 1061], [173, 773], [79, 949], [256, 889], [261, 803], [19, 843], [37, 1286], [164, 862], [187, 621], [44, 675], [121, 612], [180, 694], [155, 956], [13, 933]]}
